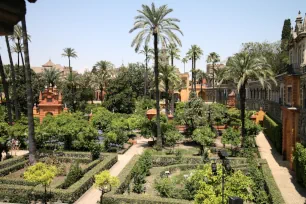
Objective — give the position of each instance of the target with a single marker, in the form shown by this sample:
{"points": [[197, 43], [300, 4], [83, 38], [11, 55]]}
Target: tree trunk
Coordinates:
{"points": [[6, 92], [101, 197], [22, 60], [101, 89], [70, 69], [172, 102], [13, 78], [156, 73], [201, 88], [45, 194], [184, 66], [213, 71], [194, 80], [167, 96], [146, 77], [242, 114], [192, 73], [172, 60], [32, 145]]}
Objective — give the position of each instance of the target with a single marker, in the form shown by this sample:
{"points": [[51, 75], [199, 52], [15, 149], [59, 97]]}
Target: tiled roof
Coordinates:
{"points": [[49, 64]]}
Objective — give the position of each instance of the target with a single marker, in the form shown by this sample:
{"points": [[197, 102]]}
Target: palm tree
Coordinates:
{"points": [[201, 75], [18, 46], [194, 53], [219, 76], [175, 84], [246, 66], [6, 92], [148, 53], [173, 53], [51, 75], [102, 75], [12, 69], [32, 144], [213, 58], [70, 53], [184, 60], [154, 21]]}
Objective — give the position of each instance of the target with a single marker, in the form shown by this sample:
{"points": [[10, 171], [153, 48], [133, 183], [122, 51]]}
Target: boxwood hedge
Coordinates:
{"points": [[273, 131]]}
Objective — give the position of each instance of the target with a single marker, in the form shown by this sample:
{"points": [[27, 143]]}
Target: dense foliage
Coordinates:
{"points": [[300, 163], [273, 131], [203, 136], [75, 173], [141, 170]]}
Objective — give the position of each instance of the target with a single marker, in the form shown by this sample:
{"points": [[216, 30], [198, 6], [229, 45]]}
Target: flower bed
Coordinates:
{"points": [[20, 191]]}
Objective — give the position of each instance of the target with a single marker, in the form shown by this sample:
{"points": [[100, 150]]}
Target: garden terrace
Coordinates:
{"points": [[179, 168], [14, 188]]}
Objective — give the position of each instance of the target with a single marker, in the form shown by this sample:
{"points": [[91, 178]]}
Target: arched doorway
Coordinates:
{"points": [[201, 94], [49, 114]]}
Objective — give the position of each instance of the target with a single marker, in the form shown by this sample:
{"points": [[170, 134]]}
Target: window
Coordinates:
{"points": [[289, 95], [49, 100]]}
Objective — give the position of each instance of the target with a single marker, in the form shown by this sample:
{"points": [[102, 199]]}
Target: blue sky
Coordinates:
{"points": [[98, 29]]}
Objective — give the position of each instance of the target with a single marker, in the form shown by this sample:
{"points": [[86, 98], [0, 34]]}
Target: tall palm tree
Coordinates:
{"points": [[173, 52], [154, 21], [51, 75], [32, 144], [70, 53], [102, 75], [245, 66], [201, 75], [213, 58], [12, 69], [18, 46], [148, 53], [184, 60], [6, 92], [194, 53], [219, 76]]}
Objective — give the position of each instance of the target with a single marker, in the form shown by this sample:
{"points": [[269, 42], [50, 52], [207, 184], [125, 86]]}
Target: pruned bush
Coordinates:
{"points": [[75, 173], [300, 163]]}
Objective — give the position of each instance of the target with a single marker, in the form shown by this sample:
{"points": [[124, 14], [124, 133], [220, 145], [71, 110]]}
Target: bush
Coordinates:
{"points": [[273, 131], [95, 150], [164, 187], [75, 173], [300, 163]]}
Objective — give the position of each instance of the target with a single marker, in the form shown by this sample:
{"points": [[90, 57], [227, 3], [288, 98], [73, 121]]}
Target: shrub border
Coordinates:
{"points": [[21, 193]]}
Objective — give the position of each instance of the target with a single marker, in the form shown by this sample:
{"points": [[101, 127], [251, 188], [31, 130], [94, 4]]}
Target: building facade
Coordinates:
{"points": [[49, 65]]}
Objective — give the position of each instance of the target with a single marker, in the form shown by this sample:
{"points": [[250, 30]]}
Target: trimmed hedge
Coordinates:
{"points": [[12, 161], [166, 160], [273, 131], [300, 163], [275, 195], [22, 194], [13, 168], [74, 159]]}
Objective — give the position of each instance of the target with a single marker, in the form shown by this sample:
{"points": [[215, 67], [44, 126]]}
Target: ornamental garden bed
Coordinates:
{"points": [[182, 170], [14, 188]]}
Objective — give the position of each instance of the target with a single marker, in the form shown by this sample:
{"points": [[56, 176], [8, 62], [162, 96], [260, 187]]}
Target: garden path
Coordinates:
{"points": [[290, 190], [93, 195]]}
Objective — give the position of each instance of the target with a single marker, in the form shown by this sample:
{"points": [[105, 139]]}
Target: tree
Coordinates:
{"points": [[203, 136], [32, 145], [104, 182], [154, 21], [6, 92], [213, 58], [231, 136], [51, 76], [70, 53], [184, 60], [173, 52], [219, 77], [102, 75], [12, 69], [41, 173], [172, 137], [194, 53], [148, 53], [70, 87], [245, 66], [201, 76], [286, 34]]}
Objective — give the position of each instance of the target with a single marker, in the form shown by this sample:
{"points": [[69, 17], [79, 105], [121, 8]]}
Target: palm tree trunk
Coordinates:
{"points": [[146, 77], [184, 66], [13, 78], [101, 89], [167, 96], [242, 109], [202, 89], [70, 69], [32, 145], [22, 60], [6, 92], [194, 75], [172, 102], [172, 60], [156, 73], [213, 71]]}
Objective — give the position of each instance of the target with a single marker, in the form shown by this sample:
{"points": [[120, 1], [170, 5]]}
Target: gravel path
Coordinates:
{"points": [[93, 195], [291, 191]]}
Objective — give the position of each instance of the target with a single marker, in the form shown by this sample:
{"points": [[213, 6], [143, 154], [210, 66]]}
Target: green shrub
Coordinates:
{"points": [[12, 161], [273, 131], [95, 150], [75, 173], [300, 163], [164, 187], [13, 168]]}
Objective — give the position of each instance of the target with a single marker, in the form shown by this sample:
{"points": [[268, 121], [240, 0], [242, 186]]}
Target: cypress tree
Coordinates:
{"points": [[286, 34]]}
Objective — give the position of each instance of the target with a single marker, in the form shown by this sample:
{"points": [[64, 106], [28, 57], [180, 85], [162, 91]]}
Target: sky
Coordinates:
{"points": [[99, 29]]}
